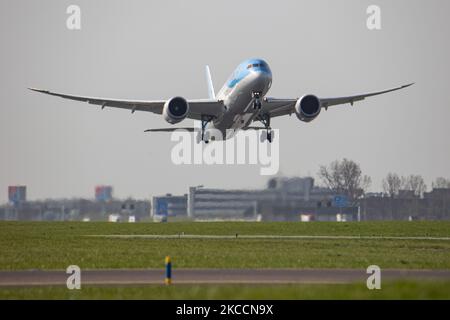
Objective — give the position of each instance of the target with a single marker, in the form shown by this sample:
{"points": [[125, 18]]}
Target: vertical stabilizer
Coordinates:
{"points": [[211, 92]]}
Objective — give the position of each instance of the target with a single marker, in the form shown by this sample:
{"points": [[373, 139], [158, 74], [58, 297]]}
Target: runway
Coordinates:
{"points": [[213, 276], [261, 237]]}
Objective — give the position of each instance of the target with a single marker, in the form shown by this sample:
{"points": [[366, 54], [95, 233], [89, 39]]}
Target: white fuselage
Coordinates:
{"points": [[237, 96]]}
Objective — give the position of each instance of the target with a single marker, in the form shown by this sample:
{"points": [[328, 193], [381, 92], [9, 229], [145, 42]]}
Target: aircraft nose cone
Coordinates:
{"points": [[262, 79]]}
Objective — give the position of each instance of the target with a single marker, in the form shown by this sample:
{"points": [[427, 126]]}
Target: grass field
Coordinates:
{"points": [[42, 245], [389, 290], [46, 245]]}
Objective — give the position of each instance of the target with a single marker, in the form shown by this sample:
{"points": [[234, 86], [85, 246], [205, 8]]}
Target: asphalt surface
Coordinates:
{"points": [[212, 276]]}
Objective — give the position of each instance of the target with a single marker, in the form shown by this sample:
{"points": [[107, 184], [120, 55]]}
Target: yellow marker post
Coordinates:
{"points": [[168, 279]]}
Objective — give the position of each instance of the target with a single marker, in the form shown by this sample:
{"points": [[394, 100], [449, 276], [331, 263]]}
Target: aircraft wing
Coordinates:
{"points": [[197, 108], [280, 107]]}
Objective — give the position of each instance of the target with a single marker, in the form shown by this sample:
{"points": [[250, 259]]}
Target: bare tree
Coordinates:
{"points": [[441, 183], [345, 177], [392, 184], [414, 183]]}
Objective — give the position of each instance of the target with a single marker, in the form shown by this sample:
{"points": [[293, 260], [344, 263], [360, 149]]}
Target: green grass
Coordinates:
{"points": [[389, 290], [55, 245]]}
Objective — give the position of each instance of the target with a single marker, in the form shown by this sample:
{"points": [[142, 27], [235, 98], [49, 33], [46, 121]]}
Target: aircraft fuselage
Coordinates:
{"points": [[250, 81]]}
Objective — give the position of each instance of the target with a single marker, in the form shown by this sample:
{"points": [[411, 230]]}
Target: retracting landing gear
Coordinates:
{"points": [[267, 134], [256, 100], [202, 136]]}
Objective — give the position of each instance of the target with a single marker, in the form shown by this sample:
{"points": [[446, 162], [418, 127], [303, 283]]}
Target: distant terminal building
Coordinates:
{"points": [[103, 193], [98, 209], [284, 199], [434, 205], [17, 194], [169, 206], [78, 210], [17, 198], [211, 204], [298, 199]]}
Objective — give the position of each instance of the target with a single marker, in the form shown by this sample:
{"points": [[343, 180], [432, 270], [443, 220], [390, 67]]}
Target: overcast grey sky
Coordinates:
{"points": [[158, 49]]}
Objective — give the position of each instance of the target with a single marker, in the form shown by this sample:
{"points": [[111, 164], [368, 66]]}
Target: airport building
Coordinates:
{"points": [[169, 206], [284, 199], [434, 205], [298, 199], [102, 208], [17, 195], [78, 210]]}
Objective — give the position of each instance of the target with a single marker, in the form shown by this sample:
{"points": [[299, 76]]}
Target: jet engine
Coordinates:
{"points": [[307, 108], [175, 110]]}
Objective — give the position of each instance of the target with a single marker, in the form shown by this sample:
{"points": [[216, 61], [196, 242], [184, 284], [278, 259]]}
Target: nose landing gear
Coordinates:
{"points": [[256, 100]]}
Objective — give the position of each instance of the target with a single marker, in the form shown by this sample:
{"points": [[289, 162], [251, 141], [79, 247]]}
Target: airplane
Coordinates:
{"points": [[241, 102]]}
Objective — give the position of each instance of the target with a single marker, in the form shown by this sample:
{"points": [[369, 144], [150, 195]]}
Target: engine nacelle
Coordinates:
{"points": [[307, 108], [175, 110]]}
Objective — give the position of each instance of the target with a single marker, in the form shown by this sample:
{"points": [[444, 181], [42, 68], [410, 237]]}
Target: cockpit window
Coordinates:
{"points": [[257, 65]]}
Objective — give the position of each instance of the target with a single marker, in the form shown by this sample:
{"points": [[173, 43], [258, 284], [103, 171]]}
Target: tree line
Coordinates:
{"points": [[345, 177]]}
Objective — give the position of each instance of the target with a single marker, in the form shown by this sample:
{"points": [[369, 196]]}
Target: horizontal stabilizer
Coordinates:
{"points": [[255, 128], [171, 129]]}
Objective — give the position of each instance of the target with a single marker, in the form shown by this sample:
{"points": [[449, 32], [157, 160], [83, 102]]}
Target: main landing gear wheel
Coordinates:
{"points": [[200, 138], [268, 135], [202, 135]]}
